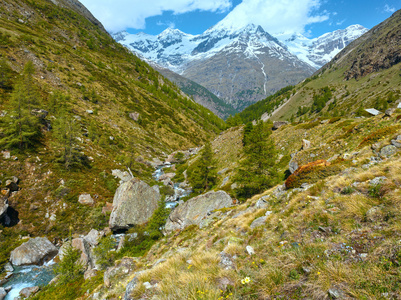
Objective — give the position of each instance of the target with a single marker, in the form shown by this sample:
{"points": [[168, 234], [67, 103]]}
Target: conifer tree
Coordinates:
{"points": [[257, 172], [202, 174], [5, 75], [22, 129]]}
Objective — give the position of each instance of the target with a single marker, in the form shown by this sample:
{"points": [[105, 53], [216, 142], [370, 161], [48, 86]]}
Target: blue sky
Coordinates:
{"points": [[311, 17]]}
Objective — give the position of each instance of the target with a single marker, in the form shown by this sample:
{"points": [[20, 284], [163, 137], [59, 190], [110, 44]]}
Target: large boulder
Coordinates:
{"points": [[33, 252], [196, 209], [133, 204]]}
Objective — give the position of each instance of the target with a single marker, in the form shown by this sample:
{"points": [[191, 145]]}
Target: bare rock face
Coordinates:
{"points": [[33, 252], [133, 204], [196, 209]]}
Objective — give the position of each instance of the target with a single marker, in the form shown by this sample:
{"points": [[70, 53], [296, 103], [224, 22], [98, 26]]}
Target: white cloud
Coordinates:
{"points": [[389, 9], [274, 16], [117, 15]]}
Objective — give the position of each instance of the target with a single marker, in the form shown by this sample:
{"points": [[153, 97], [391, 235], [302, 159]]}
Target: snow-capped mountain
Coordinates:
{"points": [[241, 66], [319, 51]]}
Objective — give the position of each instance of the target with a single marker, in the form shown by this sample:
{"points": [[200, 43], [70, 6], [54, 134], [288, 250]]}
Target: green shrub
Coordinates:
{"points": [[70, 269], [105, 257]]}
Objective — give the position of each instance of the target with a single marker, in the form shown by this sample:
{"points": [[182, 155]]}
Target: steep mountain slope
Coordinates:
{"points": [[239, 66], [319, 51], [104, 105], [363, 75], [199, 93]]}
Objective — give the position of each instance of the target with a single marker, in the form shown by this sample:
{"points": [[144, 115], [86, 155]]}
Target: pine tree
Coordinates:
{"points": [[202, 174], [256, 172], [22, 129], [5, 75]]}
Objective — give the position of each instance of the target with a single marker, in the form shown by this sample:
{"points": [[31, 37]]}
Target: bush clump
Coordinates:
{"points": [[311, 173], [378, 134]]}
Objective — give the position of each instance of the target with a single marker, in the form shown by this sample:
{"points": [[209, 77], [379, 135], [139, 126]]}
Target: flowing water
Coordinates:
{"points": [[29, 276], [179, 193]]}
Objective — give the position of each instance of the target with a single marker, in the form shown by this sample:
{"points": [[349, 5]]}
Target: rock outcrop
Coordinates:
{"points": [[196, 209], [133, 204], [33, 252]]}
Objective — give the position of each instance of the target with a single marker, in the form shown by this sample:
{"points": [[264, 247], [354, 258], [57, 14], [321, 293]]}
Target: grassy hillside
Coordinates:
{"points": [[106, 107], [336, 239]]}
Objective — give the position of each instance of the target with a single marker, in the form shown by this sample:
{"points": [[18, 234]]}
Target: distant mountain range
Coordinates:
{"points": [[240, 66]]}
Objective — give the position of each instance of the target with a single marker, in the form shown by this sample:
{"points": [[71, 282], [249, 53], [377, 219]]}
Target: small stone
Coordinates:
{"points": [[90, 274], [6, 154], [250, 250], [396, 143], [147, 285], [258, 222], [86, 199], [374, 214], [89, 111], [335, 293], [226, 261], [378, 180], [388, 151], [389, 112], [261, 203], [306, 270], [306, 144], [3, 293], [134, 116], [363, 255], [29, 291]]}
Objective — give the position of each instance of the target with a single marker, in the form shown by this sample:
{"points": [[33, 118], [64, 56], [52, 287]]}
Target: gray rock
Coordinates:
{"points": [[388, 151], [29, 291], [33, 252], [3, 293], [126, 266], [250, 250], [133, 204], [148, 285], [196, 209], [221, 172], [89, 111], [226, 261], [279, 191], [90, 273], [6, 154], [398, 138], [86, 199], [130, 288], [374, 214], [134, 116], [225, 181], [262, 203], [377, 180], [258, 222], [8, 267], [389, 112], [306, 144], [278, 124], [396, 143], [293, 165], [122, 175], [335, 293], [94, 237]]}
